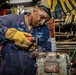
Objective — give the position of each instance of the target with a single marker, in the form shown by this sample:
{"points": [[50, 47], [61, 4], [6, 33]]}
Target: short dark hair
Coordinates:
{"points": [[46, 9]]}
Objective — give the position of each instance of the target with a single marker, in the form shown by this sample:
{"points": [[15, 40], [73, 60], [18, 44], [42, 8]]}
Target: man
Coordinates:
{"points": [[14, 33]]}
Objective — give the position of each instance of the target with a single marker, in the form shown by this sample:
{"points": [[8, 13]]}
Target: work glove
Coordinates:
{"points": [[19, 37], [32, 47]]}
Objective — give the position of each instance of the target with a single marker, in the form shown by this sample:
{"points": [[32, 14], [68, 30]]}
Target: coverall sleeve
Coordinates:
{"points": [[45, 45], [5, 23]]}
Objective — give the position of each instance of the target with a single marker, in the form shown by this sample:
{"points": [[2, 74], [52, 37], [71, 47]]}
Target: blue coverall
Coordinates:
{"points": [[16, 61]]}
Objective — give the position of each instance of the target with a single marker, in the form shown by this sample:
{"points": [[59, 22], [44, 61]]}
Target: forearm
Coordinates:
{"points": [[3, 29], [4, 25]]}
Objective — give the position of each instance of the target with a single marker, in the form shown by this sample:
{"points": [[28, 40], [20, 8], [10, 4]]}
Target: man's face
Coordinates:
{"points": [[39, 17]]}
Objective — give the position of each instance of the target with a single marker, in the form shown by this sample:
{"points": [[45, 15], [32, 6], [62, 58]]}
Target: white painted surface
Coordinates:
{"points": [[19, 1]]}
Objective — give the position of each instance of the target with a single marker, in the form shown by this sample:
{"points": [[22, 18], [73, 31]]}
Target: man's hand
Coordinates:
{"points": [[32, 47], [19, 37]]}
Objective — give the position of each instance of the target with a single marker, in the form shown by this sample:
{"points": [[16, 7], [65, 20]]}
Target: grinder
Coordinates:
{"points": [[32, 39], [34, 53]]}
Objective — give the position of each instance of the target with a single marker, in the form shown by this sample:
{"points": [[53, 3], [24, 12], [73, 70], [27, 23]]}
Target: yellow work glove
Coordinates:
{"points": [[19, 37], [32, 47]]}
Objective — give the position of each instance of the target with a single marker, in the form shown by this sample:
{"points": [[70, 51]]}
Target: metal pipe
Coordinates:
{"points": [[66, 43]]}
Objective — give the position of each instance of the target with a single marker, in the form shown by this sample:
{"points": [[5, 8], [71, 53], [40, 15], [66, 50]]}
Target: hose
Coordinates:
{"points": [[73, 54], [75, 19], [68, 19]]}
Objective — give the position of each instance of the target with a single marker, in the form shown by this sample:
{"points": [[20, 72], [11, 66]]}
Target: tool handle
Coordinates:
{"points": [[29, 38]]}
